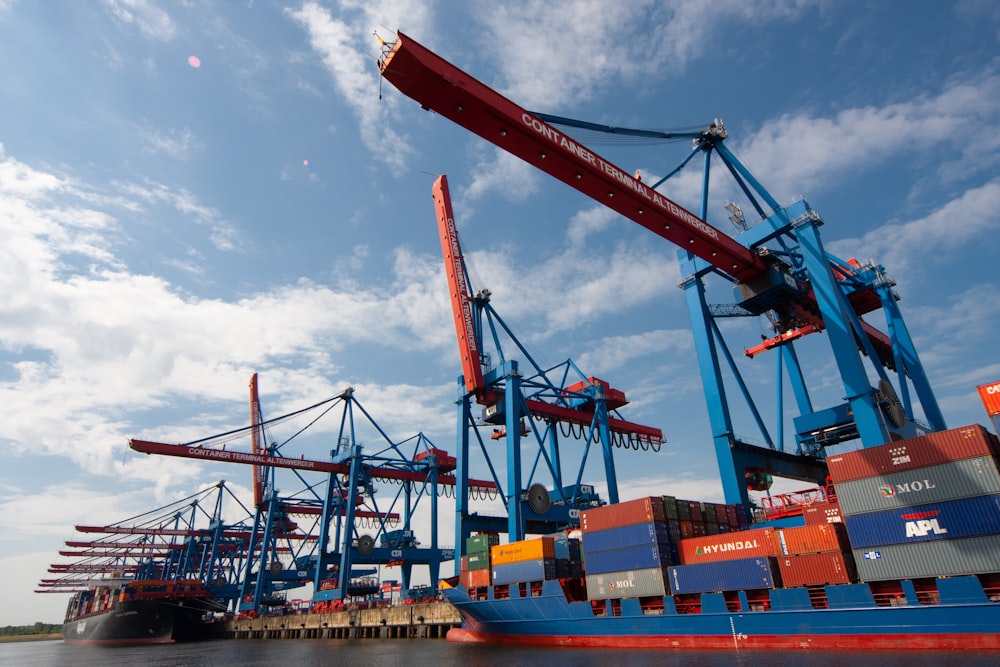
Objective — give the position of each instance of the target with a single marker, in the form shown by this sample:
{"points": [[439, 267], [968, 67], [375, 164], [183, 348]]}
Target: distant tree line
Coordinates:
{"points": [[37, 629]]}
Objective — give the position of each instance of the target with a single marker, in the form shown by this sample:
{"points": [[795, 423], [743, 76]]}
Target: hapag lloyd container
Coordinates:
{"points": [[811, 539], [648, 532], [522, 550], [631, 558], [759, 542], [950, 520], [626, 584], [817, 569], [623, 514], [972, 555], [955, 444], [947, 481], [734, 575]]}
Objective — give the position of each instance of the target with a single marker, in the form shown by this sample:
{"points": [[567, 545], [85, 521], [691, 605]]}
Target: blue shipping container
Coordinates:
{"points": [[529, 570], [730, 575], [621, 537], [641, 557], [950, 520]]}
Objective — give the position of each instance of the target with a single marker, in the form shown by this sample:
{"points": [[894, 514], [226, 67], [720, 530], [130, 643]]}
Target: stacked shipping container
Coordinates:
{"points": [[921, 506], [474, 566], [523, 561]]}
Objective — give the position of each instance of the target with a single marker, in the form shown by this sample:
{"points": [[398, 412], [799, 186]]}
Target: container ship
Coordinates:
{"points": [[904, 553], [139, 612]]}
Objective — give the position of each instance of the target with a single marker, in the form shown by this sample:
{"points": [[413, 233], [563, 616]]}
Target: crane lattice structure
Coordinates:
{"points": [[777, 267]]}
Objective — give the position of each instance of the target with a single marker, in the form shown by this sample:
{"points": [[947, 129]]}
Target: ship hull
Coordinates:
{"points": [[140, 622], [791, 623]]}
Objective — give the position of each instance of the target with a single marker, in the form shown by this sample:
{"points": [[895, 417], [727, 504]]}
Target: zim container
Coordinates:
{"points": [[759, 542], [811, 539], [947, 481], [648, 532], [955, 444], [734, 575], [973, 555], [823, 513], [817, 569], [630, 558], [622, 514], [527, 570], [950, 520], [626, 584], [523, 550]]}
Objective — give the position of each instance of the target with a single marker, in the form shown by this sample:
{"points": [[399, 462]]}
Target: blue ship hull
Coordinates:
{"points": [[964, 618]]}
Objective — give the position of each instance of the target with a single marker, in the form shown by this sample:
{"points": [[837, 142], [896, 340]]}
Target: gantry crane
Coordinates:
{"points": [[516, 400], [776, 267], [341, 505]]}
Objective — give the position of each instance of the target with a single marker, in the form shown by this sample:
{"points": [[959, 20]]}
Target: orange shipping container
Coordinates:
{"points": [[474, 578], [518, 552], [817, 569], [759, 542], [822, 538], [822, 513], [990, 395], [625, 513]]}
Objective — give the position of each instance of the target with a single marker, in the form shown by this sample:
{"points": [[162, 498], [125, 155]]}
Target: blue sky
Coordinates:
{"points": [[166, 230]]}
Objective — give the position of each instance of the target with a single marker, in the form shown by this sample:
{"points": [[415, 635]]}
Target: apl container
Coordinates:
{"points": [[515, 552], [927, 450], [817, 569], [528, 570], [950, 520], [631, 558], [948, 481], [973, 555], [648, 532], [759, 542], [811, 539], [734, 575], [623, 514], [626, 584]]}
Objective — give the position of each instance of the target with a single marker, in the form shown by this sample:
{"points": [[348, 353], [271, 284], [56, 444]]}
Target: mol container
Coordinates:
{"points": [[626, 584], [932, 449], [538, 569], [950, 520], [524, 550], [947, 481], [647, 532], [811, 539], [733, 575], [817, 569], [758, 543], [972, 555], [640, 510], [641, 557]]}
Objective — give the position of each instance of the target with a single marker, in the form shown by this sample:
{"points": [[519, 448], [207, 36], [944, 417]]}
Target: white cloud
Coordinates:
{"points": [[152, 21]]}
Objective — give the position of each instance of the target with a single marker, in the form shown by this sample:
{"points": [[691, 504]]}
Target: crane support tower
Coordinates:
{"points": [[777, 268]]}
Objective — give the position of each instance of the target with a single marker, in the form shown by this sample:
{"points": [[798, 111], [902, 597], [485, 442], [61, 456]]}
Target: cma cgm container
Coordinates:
{"points": [[647, 532], [811, 539], [951, 520], [515, 552], [817, 569], [626, 584], [527, 570], [822, 513], [759, 542], [734, 575], [622, 514], [948, 481], [630, 558], [927, 450], [972, 555]]}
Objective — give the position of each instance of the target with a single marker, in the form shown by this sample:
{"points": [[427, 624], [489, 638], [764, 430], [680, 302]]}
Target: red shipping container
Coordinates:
{"points": [[954, 444], [694, 507], [822, 538], [760, 542], [990, 395], [626, 513], [474, 578], [817, 569], [687, 528], [823, 513]]}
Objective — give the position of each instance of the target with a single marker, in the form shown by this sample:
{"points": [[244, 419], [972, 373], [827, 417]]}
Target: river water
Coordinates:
{"points": [[439, 653]]}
